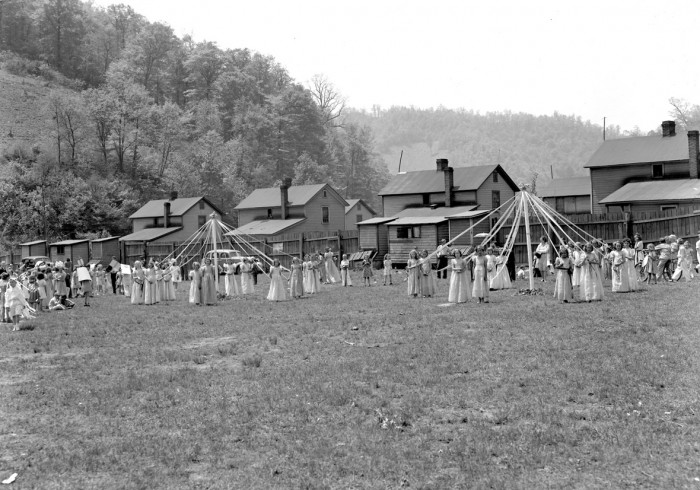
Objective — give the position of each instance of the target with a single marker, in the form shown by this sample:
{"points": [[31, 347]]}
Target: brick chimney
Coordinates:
{"points": [[166, 214], [668, 128], [443, 166], [284, 197], [693, 153]]}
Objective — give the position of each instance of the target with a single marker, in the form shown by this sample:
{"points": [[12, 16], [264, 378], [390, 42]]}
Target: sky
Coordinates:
{"points": [[620, 59]]}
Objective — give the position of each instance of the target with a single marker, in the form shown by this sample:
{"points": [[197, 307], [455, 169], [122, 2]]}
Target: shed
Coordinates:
{"points": [[75, 249], [32, 249], [374, 235], [420, 233], [104, 248], [136, 245], [460, 222]]}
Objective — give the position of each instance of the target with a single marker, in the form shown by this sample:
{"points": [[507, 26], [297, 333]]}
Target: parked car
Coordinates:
{"points": [[31, 261], [224, 255]]}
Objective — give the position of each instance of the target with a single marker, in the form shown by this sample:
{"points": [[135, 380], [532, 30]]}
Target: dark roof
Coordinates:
{"points": [[469, 214], [376, 221], [432, 181], [35, 242], [106, 239], [434, 212], [418, 220], [656, 190], [572, 186], [149, 234], [178, 207], [352, 202], [265, 227], [297, 195], [69, 242], [641, 149]]}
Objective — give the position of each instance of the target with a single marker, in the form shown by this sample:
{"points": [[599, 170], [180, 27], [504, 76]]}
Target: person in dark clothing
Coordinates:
{"points": [[68, 267], [443, 252], [114, 264]]}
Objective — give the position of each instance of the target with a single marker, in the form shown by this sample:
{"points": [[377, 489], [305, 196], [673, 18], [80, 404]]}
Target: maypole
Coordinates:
{"points": [[213, 224], [526, 207]]}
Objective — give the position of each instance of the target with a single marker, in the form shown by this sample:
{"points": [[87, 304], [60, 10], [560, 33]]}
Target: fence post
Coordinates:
{"points": [[340, 246], [301, 245], [628, 224]]}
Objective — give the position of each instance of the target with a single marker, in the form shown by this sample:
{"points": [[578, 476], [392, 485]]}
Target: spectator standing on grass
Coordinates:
{"points": [[638, 249], [85, 279], [247, 285], [68, 268], [427, 281], [388, 267], [114, 269], [542, 257], [345, 271], [296, 280], [443, 254], [664, 267], [320, 261], [413, 274], [149, 285], [649, 264], [278, 283], [620, 279], [367, 273], [195, 285], [685, 262], [630, 262]]}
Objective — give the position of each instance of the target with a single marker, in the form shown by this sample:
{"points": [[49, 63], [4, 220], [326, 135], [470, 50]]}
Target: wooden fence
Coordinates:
{"points": [[683, 222]]}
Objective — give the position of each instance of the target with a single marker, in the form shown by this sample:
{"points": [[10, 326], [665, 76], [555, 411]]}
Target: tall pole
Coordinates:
{"points": [[213, 224], [526, 210]]}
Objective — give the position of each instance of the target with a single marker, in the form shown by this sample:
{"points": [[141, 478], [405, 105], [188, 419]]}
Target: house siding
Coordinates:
{"points": [[246, 216], [34, 250], [430, 236], [78, 250], [395, 204], [651, 207], [570, 204], [374, 237], [484, 196], [460, 225], [351, 216], [103, 251], [606, 180]]}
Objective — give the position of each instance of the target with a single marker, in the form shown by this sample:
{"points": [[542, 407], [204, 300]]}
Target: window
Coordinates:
{"points": [[358, 218], [495, 176], [669, 207], [60, 249], [325, 193], [201, 204], [495, 199], [657, 170], [426, 199], [326, 216], [278, 247], [201, 220], [269, 213], [408, 232]]}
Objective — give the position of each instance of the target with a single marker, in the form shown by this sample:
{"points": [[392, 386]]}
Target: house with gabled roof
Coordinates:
{"points": [[357, 210], [645, 174], [571, 195], [173, 220], [291, 209]]}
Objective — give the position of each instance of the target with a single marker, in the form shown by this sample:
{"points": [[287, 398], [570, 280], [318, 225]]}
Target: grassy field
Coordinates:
{"points": [[357, 388]]}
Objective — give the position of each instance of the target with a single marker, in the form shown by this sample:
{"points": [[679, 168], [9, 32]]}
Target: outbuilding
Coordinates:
{"points": [[75, 249]]}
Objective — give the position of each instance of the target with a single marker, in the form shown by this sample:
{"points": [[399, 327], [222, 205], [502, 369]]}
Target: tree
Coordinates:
{"points": [[101, 108], [329, 100], [685, 113], [69, 116], [165, 132], [203, 66], [62, 33], [307, 171]]}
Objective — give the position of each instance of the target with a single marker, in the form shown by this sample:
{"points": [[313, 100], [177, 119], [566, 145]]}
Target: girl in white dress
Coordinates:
{"points": [[412, 272], [307, 273], [490, 265], [620, 281], [630, 261], [176, 274], [501, 277], [278, 283], [149, 286], [591, 281], [246, 269], [460, 280], [388, 266], [543, 257], [332, 273], [480, 289], [296, 280], [562, 288]]}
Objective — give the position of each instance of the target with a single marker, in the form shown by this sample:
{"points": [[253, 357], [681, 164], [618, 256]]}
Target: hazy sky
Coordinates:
{"points": [[620, 59]]}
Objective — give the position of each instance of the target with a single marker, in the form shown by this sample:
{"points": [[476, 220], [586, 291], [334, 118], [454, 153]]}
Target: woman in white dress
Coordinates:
{"points": [[246, 269], [460, 279], [591, 280], [138, 279], [176, 273], [195, 284], [630, 261], [413, 274], [278, 283], [501, 276], [620, 282]]}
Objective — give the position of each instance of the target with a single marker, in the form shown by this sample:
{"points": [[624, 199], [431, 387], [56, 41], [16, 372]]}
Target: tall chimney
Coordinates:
{"points": [[166, 214], [443, 165], [693, 153], [284, 197], [668, 128]]}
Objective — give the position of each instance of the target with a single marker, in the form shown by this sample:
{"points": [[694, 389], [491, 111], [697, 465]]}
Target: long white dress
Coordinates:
{"points": [[278, 288], [413, 277], [576, 276], [460, 282], [480, 288], [233, 287], [308, 276], [562, 287], [591, 280], [620, 277], [345, 273], [247, 286], [332, 273], [630, 261], [544, 259], [501, 276]]}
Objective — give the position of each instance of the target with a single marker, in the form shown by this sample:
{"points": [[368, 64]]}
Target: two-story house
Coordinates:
{"points": [[291, 209], [357, 210], [430, 205], [570, 195], [647, 173]]}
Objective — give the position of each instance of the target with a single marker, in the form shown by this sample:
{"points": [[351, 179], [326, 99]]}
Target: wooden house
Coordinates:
{"points": [[653, 197], [357, 210], [374, 235], [103, 249], [33, 249], [619, 163], [291, 209], [485, 187], [472, 220], [568, 195], [181, 216], [75, 249]]}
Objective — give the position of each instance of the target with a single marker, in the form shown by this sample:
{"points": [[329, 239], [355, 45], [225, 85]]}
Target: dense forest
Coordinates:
{"points": [[136, 112]]}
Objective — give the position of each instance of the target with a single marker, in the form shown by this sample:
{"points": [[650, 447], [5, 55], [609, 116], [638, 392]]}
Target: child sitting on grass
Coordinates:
{"points": [[56, 304]]}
